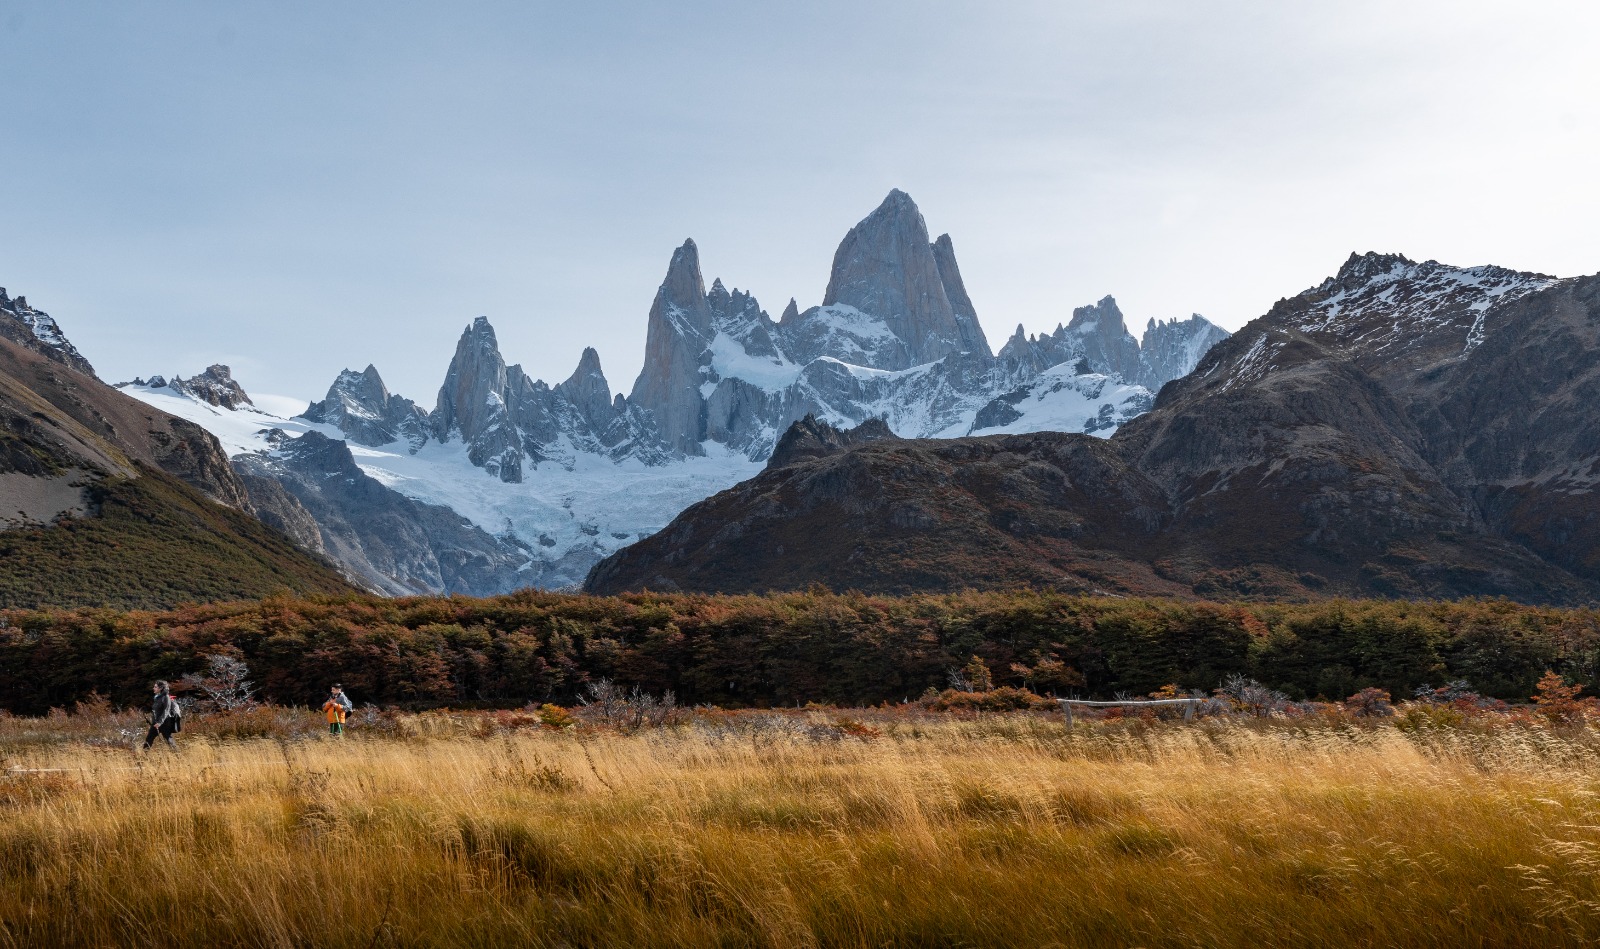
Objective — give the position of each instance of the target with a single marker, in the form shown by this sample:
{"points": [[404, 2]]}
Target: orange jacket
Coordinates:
{"points": [[335, 711]]}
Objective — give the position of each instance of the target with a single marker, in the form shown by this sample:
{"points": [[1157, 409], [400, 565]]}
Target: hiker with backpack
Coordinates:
{"points": [[166, 716], [337, 707]]}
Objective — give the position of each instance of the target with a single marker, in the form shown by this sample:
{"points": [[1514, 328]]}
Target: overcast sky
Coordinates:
{"points": [[297, 187]]}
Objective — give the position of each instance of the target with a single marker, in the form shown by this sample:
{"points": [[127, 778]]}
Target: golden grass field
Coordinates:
{"points": [[995, 831]]}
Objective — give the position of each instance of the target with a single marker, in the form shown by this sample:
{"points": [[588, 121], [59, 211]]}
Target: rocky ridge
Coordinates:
{"points": [[38, 331], [108, 501], [215, 386]]}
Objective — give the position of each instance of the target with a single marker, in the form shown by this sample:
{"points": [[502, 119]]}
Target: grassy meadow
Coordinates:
{"points": [[807, 829]]}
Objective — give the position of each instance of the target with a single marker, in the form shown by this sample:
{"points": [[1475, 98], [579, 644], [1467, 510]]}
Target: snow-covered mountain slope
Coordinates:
{"points": [[567, 512], [246, 430], [1061, 399], [1387, 305]]}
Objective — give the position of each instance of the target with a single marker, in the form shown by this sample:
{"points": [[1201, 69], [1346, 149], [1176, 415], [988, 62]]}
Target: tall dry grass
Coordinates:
{"points": [[1001, 831]]}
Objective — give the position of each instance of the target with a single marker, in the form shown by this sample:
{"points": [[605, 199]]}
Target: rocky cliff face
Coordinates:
{"points": [[969, 333], [1402, 429], [677, 334], [886, 267], [474, 403]]}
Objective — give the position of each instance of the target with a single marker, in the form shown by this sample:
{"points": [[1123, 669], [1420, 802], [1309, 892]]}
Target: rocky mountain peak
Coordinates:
{"points": [[1358, 270], [1365, 266], [972, 339], [217, 387], [791, 313], [1104, 338], [1394, 305], [1103, 317], [810, 437], [588, 364], [588, 390], [886, 267], [361, 406], [472, 400], [364, 387], [684, 286], [1172, 348], [481, 335], [1018, 348], [679, 329]]}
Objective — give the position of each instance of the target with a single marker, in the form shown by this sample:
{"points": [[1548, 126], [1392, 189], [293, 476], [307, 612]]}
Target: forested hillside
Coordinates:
{"points": [[153, 542]]}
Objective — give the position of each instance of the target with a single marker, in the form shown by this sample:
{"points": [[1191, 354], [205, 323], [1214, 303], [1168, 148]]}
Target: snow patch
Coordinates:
{"points": [[730, 360]]}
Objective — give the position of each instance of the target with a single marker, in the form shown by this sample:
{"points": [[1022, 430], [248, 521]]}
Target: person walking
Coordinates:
{"points": [[165, 716], [337, 707]]}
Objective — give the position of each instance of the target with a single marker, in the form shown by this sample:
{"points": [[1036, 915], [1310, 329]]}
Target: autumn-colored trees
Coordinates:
{"points": [[790, 648]]}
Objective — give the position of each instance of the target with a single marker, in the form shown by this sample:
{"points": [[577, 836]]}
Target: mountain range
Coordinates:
{"points": [[1402, 429], [510, 482]]}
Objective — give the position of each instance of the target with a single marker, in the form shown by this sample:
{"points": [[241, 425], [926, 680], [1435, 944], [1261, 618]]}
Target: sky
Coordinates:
{"points": [[293, 188]]}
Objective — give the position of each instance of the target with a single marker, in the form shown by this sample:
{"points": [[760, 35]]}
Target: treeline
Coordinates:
{"points": [[784, 649]]}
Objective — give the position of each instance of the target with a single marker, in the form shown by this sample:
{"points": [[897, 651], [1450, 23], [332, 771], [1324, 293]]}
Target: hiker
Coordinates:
{"points": [[337, 707], [166, 716]]}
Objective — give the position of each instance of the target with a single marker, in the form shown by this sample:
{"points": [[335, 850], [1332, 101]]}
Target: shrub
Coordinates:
{"points": [[608, 704], [554, 716], [1421, 716], [977, 672], [1558, 701], [1370, 703], [790, 648], [856, 728], [1247, 695], [225, 684], [1004, 699]]}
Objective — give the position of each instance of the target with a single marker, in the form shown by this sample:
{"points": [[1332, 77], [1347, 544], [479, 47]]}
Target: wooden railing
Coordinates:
{"points": [[1189, 705]]}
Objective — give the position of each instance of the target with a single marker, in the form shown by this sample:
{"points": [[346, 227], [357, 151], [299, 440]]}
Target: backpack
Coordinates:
{"points": [[175, 712]]}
